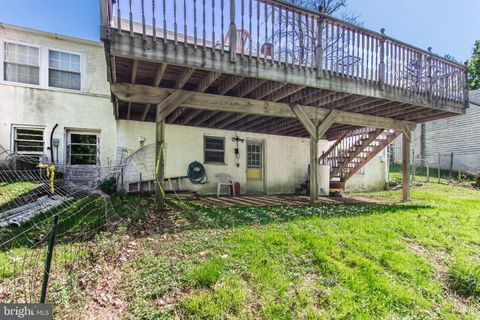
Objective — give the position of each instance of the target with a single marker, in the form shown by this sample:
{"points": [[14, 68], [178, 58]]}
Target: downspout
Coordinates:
{"points": [[51, 142]]}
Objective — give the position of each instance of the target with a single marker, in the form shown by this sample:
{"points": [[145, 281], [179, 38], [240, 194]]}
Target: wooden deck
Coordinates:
{"points": [[271, 200], [320, 62]]}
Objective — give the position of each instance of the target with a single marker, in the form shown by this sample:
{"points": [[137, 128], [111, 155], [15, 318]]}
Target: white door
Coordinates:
{"points": [[255, 167]]}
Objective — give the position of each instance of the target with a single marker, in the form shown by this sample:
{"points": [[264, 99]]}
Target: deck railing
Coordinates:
{"points": [[272, 31]]}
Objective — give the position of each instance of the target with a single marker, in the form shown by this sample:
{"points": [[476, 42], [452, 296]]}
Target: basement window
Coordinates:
{"points": [[83, 149], [64, 70], [214, 150], [21, 63], [28, 141]]}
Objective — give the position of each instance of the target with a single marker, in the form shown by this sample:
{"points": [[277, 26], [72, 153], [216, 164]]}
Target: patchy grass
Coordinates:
{"points": [[418, 261], [12, 190], [347, 261]]}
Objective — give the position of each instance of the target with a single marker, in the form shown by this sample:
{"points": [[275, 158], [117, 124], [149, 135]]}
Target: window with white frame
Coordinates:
{"points": [[21, 63], [214, 150], [28, 140], [83, 148], [64, 70]]}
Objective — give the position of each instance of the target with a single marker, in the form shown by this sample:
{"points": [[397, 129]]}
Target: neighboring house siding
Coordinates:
{"points": [[459, 135]]}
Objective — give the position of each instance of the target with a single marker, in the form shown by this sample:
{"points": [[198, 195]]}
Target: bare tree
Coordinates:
{"points": [[299, 34]]}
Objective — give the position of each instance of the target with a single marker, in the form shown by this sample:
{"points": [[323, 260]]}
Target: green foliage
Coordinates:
{"points": [[108, 186], [464, 277], [473, 66], [206, 274]]}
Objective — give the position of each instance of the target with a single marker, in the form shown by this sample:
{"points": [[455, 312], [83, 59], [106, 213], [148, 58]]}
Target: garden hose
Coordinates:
{"points": [[196, 173]]}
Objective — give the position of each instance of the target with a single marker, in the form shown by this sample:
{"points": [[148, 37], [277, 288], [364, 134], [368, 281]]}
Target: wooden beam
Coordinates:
{"points": [[326, 123], [159, 75], [218, 119], [205, 117], [406, 165], [313, 170], [145, 111], [170, 103], [207, 81], [183, 78], [284, 92], [265, 89], [160, 165], [147, 94], [228, 84], [305, 120], [129, 109], [134, 71], [190, 115], [209, 59], [249, 86], [232, 119], [175, 114]]}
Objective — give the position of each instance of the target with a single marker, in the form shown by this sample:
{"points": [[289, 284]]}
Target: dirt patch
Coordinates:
{"points": [[439, 260], [104, 285]]}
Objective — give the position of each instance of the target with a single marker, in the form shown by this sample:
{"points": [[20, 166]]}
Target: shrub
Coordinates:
{"points": [[109, 186], [464, 278]]}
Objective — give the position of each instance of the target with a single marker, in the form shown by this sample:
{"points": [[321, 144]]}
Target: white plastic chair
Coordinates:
{"points": [[225, 180]]}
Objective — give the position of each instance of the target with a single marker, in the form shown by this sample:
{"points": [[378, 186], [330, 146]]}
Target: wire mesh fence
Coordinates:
{"points": [[42, 215]]}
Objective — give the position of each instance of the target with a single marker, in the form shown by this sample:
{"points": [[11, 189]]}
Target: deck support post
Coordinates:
{"points": [[160, 163], [406, 165], [313, 170]]}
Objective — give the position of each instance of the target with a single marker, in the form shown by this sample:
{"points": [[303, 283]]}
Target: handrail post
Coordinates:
{"points": [[105, 16], [465, 86], [429, 75], [233, 32], [319, 47], [381, 66]]}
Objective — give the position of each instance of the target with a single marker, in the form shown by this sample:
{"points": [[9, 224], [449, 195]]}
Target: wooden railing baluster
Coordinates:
{"points": [[131, 18], [119, 19], [154, 22], [298, 38], [195, 34], [222, 22], [144, 35]]}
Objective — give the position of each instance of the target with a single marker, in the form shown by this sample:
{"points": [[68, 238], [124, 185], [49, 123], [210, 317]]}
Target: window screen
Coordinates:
{"points": [[214, 150], [63, 70], [28, 140], [21, 63], [83, 149]]}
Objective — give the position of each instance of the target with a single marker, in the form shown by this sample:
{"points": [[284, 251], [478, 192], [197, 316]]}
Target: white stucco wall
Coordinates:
{"points": [[30, 105], [286, 158], [371, 177]]}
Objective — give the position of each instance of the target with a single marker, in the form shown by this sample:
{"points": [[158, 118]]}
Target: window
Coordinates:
{"points": [[214, 149], [28, 141], [63, 70], [83, 148], [21, 63], [254, 155]]}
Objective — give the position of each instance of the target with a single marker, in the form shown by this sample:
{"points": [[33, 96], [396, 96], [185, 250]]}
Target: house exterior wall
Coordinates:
{"points": [[459, 135], [371, 177], [90, 110], [286, 158], [86, 110]]}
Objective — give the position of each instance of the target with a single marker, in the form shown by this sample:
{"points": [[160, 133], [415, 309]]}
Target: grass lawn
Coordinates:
{"points": [[415, 261]]}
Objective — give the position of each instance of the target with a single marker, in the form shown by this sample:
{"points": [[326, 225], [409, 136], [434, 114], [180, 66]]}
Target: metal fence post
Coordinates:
{"points": [[438, 167], [48, 261], [451, 167]]}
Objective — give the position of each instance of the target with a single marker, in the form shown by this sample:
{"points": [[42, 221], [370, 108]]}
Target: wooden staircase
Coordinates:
{"points": [[349, 153], [352, 150]]}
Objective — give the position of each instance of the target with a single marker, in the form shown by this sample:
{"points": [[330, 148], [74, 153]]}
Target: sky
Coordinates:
{"points": [[449, 27]]}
